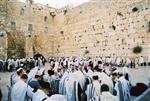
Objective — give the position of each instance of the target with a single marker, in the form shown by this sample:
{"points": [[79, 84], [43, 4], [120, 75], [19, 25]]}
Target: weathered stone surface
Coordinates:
{"points": [[101, 27], [105, 28]]}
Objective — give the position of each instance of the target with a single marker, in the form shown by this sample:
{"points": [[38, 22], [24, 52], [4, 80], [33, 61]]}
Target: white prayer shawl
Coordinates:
{"points": [[15, 78], [118, 61], [149, 59], [100, 59], [123, 90], [57, 97], [19, 91], [41, 71], [76, 63], [80, 78], [128, 61], [65, 62], [89, 73], [141, 60], [56, 64], [113, 60], [105, 96], [40, 63], [93, 90], [32, 73], [62, 84], [107, 70], [39, 96], [108, 60], [125, 70], [86, 63], [16, 64], [71, 89], [46, 77], [9, 64], [105, 79], [98, 98]]}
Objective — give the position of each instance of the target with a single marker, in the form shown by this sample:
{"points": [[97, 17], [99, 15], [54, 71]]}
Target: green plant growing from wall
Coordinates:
{"points": [[86, 52], [137, 49]]}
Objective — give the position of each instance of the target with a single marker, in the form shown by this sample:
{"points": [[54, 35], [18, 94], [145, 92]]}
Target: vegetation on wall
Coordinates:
{"points": [[86, 52], [137, 49], [16, 44]]}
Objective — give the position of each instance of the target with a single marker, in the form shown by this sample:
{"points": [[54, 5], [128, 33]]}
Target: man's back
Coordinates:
{"points": [[19, 91], [107, 96], [39, 96]]}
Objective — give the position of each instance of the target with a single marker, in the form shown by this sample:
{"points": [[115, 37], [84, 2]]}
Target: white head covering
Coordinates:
{"points": [[57, 97]]}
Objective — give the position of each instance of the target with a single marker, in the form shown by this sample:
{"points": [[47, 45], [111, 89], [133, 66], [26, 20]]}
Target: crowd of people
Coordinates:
{"points": [[11, 64], [70, 79]]}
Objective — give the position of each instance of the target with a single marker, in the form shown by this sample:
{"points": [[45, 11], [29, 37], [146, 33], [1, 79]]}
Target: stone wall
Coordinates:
{"points": [[100, 27], [36, 23], [3, 36], [103, 28]]}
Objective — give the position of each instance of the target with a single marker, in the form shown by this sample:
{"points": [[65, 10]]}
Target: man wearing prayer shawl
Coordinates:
{"points": [[93, 89], [34, 83], [118, 61], [149, 60], [32, 73], [21, 90], [57, 97], [16, 76], [41, 94], [105, 95], [105, 79], [73, 89], [126, 74], [40, 63], [80, 78], [41, 71], [62, 86], [49, 76], [123, 89], [141, 61]]}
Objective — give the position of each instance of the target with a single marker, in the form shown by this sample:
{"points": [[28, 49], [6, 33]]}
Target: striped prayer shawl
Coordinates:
{"points": [[96, 99], [62, 88], [121, 97], [91, 91], [76, 91]]}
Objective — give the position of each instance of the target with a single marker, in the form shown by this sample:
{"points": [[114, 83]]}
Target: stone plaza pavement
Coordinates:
{"points": [[139, 74]]}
